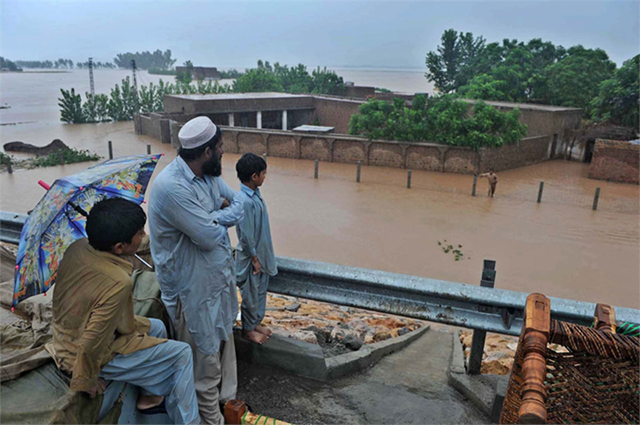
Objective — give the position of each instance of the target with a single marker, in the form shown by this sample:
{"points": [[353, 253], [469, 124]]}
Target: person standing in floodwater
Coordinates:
{"points": [[493, 181]]}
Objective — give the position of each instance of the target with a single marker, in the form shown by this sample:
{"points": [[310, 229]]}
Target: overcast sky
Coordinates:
{"points": [[332, 33]]}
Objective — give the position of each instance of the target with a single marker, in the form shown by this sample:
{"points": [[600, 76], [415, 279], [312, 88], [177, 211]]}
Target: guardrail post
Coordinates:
{"points": [[9, 167], [408, 179], [595, 199], [475, 183], [540, 192], [148, 149], [358, 171], [110, 150], [477, 343], [315, 170]]}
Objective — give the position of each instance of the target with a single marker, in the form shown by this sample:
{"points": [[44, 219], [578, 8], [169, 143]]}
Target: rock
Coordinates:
{"points": [[368, 339], [306, 336], [337, 334], [381, 336], [352, 342], [292, 307], [403, 331], [345, 309], [512, 346]]}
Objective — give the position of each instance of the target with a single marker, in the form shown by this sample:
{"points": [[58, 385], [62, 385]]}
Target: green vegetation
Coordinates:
{"points": [[447, 247], [186, 76], [145, 60], [443, 119], [232, 73], [124, 100], [537, 72], [7, 64], [158, 71], [70, 156], [290, 80], [617, 98], [383, 90], [96, 65]]}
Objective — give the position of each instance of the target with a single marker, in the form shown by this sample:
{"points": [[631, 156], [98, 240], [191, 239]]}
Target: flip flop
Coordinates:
{"points": [[160, 408]]}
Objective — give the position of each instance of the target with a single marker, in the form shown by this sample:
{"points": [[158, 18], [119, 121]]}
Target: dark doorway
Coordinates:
{"points": [[588, 150]]}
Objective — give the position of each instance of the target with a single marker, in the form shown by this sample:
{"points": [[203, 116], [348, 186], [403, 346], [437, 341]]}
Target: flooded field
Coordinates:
{"points": [[559, 247]]}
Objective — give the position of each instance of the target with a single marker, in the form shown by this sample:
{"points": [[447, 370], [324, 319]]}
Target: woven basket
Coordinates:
{"points": [[594, 379]]}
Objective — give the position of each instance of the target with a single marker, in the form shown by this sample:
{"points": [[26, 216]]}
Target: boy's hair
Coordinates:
{"points": [[112, 221], [250, 164], [192, 154]]}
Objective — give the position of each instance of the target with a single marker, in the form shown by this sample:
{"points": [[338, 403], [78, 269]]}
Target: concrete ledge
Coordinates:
{"points": [[486, 392], [368, 355], [305, 359]]}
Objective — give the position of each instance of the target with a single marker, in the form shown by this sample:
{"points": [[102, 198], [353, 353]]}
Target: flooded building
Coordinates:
{"points": [[265, 123], [201, 72]]}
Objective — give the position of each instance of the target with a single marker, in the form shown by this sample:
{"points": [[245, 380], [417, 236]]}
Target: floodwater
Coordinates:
{"points": [[559, 247], [33, 96]]}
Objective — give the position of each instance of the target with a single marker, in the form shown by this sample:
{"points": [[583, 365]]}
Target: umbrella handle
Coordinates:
{"points": [[43, 184]]}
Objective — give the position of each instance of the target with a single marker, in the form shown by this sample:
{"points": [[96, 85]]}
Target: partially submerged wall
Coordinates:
{"points": [[616, 160]]}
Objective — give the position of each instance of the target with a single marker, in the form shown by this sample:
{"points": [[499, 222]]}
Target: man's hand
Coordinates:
{"points": [[225, 203], [256, 265], [99, 388]]}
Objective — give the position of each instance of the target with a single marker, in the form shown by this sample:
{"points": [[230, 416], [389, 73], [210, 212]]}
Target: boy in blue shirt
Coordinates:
{"points": [[255, 260]]}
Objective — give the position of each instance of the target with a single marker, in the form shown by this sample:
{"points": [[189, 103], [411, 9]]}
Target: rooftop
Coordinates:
{"points": [[529, 106], [235, 96]]}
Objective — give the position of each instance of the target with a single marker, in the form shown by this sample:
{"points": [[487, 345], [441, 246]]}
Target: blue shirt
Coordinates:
{"points": [[254, 236], [192, 252]]}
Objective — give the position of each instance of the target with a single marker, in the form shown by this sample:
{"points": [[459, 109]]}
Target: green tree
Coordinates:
{"points": [[6, 63], [71, 110], [618, 98], [574, 80], [185, 77], [455, 60], [325, 81], [261, 79], [442, 119]]}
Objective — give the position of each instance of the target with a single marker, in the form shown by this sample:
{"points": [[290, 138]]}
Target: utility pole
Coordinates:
{"points": [[135, 84], [93, 89], [133, 68]]}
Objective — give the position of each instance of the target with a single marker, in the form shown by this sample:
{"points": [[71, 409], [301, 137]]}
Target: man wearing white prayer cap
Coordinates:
{"points": [[190, 211]]}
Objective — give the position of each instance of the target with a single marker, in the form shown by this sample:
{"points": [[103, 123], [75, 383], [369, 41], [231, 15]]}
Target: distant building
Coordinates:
{"points": [[201, 72]]}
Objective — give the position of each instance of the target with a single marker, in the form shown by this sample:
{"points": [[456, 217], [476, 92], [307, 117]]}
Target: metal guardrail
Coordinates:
{"points": [[11, 226], [469, 306]]}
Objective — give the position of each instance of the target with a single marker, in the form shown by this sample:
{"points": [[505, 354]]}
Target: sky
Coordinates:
{"points": [[389, 34]]}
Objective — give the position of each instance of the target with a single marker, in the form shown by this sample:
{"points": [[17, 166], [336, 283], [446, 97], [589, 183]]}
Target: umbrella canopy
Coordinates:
{"points": [[57, 220]]}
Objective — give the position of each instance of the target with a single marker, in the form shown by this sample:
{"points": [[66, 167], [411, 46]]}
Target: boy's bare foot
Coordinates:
{"points": [[148, 401], [255, 336], [263, 330]]}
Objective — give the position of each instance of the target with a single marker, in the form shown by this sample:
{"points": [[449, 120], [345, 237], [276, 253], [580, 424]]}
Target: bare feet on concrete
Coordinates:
{"points": [[255, 336], [264, 331]]}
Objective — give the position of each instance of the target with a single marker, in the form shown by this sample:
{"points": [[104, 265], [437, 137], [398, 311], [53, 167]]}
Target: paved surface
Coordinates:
{"points": [[408, 387]]}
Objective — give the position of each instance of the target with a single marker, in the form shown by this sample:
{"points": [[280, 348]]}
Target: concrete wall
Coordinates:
{"points": [[335, 112], [199, 104], [615, 160], [530, 150], [416, 156]]}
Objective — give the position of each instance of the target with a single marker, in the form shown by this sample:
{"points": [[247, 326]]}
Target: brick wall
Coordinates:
{"points": [[615, 160], [335, 112], [530, 150]]}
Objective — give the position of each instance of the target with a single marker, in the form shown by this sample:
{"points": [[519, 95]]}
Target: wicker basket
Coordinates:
{"points": [[592, 378]]}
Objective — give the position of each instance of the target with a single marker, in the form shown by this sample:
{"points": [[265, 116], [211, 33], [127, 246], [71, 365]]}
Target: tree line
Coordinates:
{"points": [[536, 71], [124, 100]]}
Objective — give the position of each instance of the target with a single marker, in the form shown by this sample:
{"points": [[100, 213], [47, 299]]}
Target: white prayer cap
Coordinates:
{"points": [[197, 132]]}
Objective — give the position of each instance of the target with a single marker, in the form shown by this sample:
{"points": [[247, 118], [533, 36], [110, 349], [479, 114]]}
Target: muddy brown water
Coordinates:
{"points": [[559, 247]]}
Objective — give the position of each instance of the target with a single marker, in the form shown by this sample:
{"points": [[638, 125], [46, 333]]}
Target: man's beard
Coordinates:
{"points": [[213, 167]]}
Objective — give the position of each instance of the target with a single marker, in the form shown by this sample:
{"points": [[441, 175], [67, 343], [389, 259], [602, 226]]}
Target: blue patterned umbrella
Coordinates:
{"points": [[59, 217]]}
